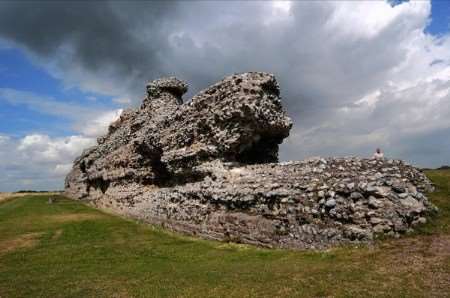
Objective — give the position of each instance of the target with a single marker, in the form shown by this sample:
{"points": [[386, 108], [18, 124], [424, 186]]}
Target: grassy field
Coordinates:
{"points": [[66, 249]]}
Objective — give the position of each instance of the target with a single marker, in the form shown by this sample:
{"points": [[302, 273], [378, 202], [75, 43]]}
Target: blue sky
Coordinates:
{"points": [[440, 17], [353, 76], [18, 72]]}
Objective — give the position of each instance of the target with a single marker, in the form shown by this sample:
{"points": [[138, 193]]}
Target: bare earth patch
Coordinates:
{"points": [[57, 234], [427, 257], [23, 241], [439, 277], [74, 217]]}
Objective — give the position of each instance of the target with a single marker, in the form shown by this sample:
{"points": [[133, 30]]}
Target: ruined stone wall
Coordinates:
{"points": [[209, 168]]}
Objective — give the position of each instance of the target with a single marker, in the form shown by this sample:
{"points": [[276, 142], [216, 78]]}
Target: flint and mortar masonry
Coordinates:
{"points": [[210, 168]]}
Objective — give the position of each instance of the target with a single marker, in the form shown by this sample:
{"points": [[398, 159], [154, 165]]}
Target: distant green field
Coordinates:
{"points": [[67, 249]]}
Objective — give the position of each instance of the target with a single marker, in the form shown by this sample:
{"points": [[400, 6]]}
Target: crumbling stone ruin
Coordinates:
{"points": [[210, 168]]}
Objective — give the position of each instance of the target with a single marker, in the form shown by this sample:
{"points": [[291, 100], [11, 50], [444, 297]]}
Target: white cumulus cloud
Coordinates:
{"points": [[38, 161], [99, 125]]}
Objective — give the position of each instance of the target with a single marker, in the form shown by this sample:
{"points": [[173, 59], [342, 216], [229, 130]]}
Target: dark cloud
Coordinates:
{"points": [[108, 39]]}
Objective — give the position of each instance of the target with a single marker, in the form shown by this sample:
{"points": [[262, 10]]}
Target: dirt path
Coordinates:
{"points": [[427, 257], [8, 195]]}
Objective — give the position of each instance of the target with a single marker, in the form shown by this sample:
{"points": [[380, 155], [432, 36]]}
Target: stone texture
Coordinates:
{"points": [[209, 168]]}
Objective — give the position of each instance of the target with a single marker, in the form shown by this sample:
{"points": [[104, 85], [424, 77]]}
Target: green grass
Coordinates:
{"points": [[67, 249]]}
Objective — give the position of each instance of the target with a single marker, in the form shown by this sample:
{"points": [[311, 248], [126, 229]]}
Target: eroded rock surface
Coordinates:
{"points": [[209, 168]]}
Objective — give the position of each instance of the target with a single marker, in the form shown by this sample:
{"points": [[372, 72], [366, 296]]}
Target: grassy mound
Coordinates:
{"points": [[67, 249]]}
